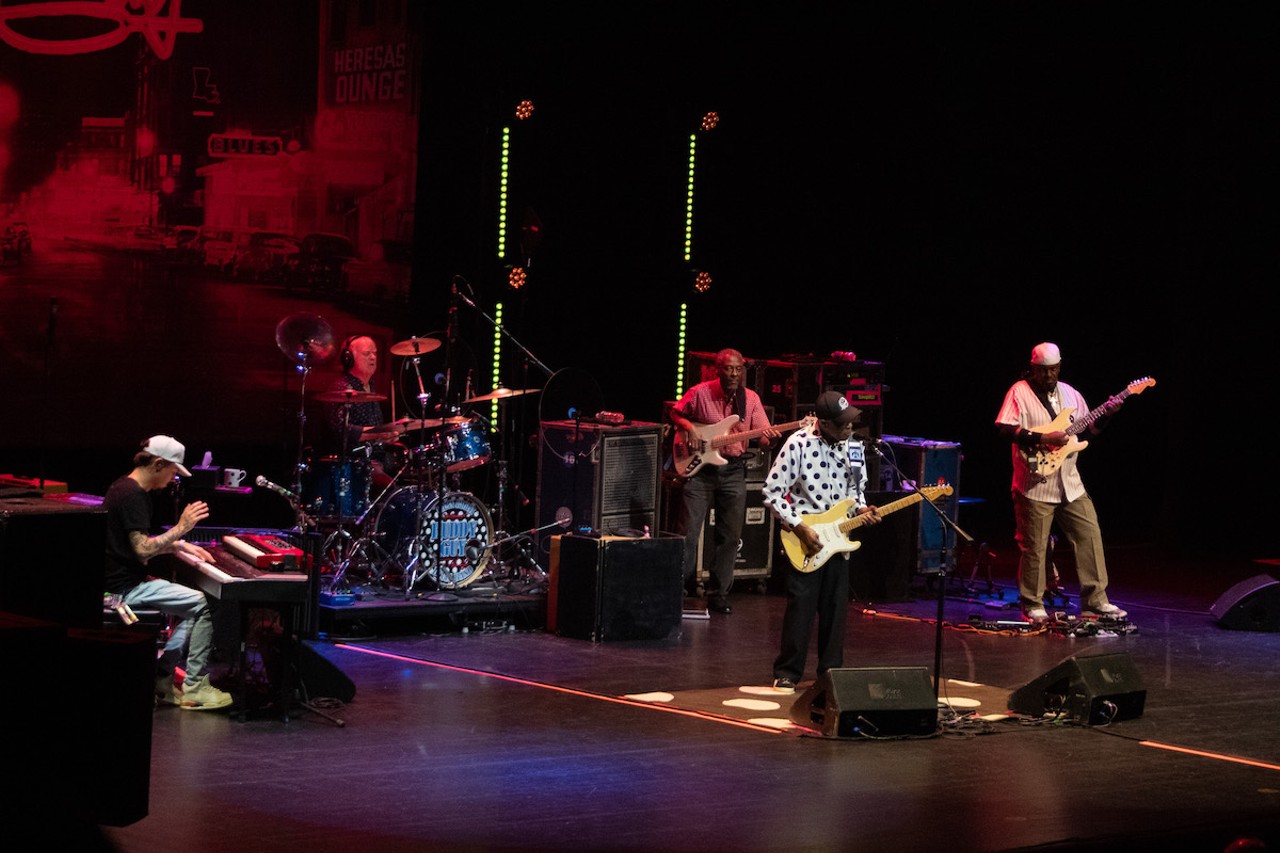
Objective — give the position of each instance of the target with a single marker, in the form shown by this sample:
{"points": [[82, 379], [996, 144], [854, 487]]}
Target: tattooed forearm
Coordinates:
{"points": [[147, 547]]}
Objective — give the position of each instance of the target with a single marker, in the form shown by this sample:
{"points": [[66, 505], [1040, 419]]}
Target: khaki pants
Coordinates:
{"points": [[1078, 521]]}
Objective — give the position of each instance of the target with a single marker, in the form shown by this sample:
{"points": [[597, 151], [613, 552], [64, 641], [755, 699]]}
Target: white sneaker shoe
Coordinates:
{"points": [[1108, 611], [1036, 615]]}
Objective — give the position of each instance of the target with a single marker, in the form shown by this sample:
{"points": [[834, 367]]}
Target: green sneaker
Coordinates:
{"points": [[203, 696], [167, 691]]}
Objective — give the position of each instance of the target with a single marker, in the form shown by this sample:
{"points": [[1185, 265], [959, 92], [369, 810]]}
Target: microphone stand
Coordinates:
{"points": [[942, 568], [503, 420]]}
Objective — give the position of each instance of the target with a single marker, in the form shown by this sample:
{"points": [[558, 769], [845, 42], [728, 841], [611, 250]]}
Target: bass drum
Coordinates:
{"points": [[414, 520]]}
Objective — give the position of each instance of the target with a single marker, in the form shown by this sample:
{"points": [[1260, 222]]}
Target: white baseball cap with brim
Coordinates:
{"points": [[168, 448]]}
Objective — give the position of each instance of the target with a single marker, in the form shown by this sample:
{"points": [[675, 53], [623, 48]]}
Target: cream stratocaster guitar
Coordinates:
{"points": [[834, 525], [691, 452], [1046, 460]]}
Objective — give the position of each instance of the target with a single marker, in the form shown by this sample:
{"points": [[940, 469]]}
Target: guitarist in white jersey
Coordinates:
{"points": [[722, 486], [1030, 406], [816, 469]]}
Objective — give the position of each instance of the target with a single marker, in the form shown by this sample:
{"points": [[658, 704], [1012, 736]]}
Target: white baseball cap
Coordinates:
{"points": [[168, 448], [1046, 354]]}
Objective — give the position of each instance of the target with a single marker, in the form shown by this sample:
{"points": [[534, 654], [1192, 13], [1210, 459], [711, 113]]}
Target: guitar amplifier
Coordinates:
{"points": [[928, 463]]}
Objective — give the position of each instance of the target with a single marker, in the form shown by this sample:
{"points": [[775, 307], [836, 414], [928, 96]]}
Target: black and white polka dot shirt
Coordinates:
{"points": [[810, 476]]}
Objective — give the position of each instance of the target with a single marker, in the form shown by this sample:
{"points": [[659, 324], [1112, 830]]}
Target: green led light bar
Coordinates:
{"points": [[681, 329], [688, 208], [497, 358], [504, 178]]}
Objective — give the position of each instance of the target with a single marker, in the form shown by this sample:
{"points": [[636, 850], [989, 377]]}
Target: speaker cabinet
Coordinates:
{"points": [[869, 702], [51, 560], [118, 668], [928, 463], [1251, 605], [1094, 689], [606, 477], [613, 588]]}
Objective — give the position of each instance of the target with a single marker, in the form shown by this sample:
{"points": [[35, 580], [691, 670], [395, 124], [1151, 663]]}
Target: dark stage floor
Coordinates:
{"points": [[520, 740]]}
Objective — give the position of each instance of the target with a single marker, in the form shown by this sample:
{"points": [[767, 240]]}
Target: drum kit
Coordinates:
{"points": [[392, 511]]}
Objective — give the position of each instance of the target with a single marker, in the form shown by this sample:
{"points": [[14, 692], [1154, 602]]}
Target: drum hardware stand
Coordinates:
{"points": [[363, 544]]}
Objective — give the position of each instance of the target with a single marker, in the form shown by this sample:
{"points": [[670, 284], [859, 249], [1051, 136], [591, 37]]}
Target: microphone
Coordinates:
{"points": [[474, 549], [279, 490]]}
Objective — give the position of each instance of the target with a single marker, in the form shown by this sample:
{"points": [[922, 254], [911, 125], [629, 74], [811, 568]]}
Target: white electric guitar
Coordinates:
{"points": [[1046, 460], [834, 525], [690, 452]]}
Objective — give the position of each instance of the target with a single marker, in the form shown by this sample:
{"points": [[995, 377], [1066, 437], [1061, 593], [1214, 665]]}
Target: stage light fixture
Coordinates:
{"points": [[710, 120], [524, 109], [702, 281], [517, 278], [497, 359]]}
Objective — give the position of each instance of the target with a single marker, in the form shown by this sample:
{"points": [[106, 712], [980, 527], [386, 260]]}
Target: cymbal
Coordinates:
{"points": [[415, 346], [415, 423], [350, 396], [501, 394], [305, 338]]}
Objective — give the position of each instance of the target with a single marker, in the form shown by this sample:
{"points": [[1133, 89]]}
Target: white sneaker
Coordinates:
{"points": [[1108, 610], [203, 696], [1035, 614]]}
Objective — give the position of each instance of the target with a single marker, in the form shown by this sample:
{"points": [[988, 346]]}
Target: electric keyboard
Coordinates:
{"points": [[264, 552], [230, 578]]}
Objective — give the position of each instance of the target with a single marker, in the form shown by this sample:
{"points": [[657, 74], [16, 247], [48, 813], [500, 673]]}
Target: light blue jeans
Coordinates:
{"points": [[195, 625]]}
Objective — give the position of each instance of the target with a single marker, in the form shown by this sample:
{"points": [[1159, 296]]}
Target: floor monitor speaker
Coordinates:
{"points": [[320, 676], [1251, 605], [1094, 689], [869, 702]]}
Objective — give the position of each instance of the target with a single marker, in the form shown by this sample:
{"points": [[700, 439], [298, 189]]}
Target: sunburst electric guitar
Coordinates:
{"points": [[834, 525], [689, 452], [1046, 460]]}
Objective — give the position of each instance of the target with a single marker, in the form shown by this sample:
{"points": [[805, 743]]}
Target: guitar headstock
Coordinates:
{"points": [[1137, 386], [808, 421], [938, 491]]}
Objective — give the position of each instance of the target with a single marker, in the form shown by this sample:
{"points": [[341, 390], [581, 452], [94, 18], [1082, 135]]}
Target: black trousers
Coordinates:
{"points": [[823, 593]]}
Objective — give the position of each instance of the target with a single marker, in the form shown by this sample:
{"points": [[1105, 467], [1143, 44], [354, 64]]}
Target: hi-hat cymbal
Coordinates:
{"points": [[501, 394], [415, 346], [350, 396], [306, 338]]}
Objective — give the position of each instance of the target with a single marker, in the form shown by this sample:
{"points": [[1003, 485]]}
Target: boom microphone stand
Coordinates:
{"points": [[942, 572]]}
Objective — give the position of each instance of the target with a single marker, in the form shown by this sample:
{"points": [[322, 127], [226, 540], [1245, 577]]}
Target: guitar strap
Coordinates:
{"points": [[1043, 397], [740, 403]]}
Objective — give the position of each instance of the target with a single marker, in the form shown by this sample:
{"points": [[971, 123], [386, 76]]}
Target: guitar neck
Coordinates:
{"points": [[893, 506], [735, 437], [1085, 422]]}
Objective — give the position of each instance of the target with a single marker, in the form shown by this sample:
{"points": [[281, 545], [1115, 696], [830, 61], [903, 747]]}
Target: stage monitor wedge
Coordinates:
{"points": [[1251, 605], [869, 702], [1093, 689]]}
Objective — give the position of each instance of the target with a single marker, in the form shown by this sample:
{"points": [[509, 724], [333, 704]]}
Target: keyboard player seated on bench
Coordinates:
{"points": [[131, 545]]}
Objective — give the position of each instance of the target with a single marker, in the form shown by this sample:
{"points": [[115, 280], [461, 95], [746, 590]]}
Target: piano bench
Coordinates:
{"points": [[151, 618]]}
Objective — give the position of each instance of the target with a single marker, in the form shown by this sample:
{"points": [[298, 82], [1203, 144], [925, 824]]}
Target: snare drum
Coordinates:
{"points": [[462, 445], [415, 520], [335, 489]]}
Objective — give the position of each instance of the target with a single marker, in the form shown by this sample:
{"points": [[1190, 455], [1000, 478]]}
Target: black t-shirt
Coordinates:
{"points": [[128, 509]]}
